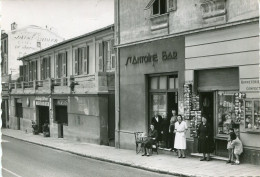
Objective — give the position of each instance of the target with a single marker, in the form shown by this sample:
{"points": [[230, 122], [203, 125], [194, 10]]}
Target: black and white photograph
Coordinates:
{"points": [[130, 88]]}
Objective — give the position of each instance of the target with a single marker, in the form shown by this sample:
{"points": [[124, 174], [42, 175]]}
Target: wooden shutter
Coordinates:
{"points": [[85, 60], [100, 56], [64, 64], [26, 71], [21, 72], [76, 51], [172, 5], [88, 59], [80, 60], [48, 67], [57, 66], [35, 70], [42, 68]]}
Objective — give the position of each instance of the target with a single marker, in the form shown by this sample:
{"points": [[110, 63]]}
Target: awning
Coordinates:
{"points": [[149, 4]]}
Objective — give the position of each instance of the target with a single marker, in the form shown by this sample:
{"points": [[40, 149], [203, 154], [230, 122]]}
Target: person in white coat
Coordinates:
{"points": [[180, 136]]}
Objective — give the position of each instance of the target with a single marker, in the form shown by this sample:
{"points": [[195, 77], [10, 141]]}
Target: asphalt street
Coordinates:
{"points": [[22, 159]]}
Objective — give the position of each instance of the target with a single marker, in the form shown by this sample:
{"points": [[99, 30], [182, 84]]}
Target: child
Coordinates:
{"points": [[237, 145], [229, 147]]}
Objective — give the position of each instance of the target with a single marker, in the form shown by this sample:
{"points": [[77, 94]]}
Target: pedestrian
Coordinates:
{"points": [[171, 130], [237, 146], [151, 139], [165, 130], [180, 136], [229, 147], [205, 139], [157, 121]]}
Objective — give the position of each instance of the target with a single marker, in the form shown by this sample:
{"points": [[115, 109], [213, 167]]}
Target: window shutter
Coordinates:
{"points": [[42, 68], [80, 61], [100, 56], [60, 65], [48, 67], [172, 5], [64, 64], [57, 65], [76, 61], [35, 70], [26, 71], [85, 60], [21, 72]]}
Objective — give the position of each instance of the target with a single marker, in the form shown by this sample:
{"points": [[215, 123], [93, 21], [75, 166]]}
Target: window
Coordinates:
{"points": [[159, 7], [252, 115], [32, 70], [81, 60], [164, 82], [45, 68], [109, 55], [225, 111], [61, 65]]}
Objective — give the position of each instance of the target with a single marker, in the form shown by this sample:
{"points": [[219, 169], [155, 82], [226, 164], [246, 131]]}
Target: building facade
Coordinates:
{"points": [[15, 44], [70, 86], [199, 57]]}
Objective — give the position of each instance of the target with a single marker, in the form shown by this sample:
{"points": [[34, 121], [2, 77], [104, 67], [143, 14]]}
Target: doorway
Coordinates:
{"points": [[43, 116], [61, 116]]}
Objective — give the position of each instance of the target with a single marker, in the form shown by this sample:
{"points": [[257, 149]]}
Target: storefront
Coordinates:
{"points": [[151, 79], [222, 84], [42, 111]]}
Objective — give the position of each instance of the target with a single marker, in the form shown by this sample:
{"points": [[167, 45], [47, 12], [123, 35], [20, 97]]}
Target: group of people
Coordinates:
{"points": [[174, 136], [172, 133]]}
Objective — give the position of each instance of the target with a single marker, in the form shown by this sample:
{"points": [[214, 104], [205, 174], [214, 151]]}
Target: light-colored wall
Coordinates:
{"points": [[135, 22]]}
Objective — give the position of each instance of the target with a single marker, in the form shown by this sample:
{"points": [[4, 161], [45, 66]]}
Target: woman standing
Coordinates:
{"points": [[180, 136], [205, 139]]}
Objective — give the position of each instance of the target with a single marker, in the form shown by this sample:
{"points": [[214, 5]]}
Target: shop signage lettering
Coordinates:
{"points": [[250, 85], [42, 103], [62, 102], [39, 98], [151, 58]]}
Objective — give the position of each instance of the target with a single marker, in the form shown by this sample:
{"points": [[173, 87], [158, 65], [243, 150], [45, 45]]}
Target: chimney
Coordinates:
{"points": [[13, 26]]}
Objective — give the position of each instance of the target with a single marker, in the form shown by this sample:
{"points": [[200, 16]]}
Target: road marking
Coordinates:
{"points": [[11, 172]]}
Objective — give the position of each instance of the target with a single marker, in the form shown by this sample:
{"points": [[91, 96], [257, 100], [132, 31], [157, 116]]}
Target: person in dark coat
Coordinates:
{"points": [[205, 139], [152, 138], [165, 130], [171, 131], [157, 121]]}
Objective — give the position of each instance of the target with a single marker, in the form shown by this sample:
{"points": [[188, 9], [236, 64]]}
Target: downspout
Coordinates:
{"points": [[117, 77]]}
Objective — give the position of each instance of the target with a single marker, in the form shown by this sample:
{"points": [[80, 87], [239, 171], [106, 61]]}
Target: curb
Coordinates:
{"points": [[105, 160]]}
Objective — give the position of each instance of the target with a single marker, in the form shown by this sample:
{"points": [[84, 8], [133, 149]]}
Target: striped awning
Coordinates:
{"points": [[149, 4]]}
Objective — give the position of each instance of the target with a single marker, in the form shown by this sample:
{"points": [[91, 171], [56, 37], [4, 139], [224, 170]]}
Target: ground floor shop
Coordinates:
{"points": [[222, 83], [86, 118], [151, 78]]}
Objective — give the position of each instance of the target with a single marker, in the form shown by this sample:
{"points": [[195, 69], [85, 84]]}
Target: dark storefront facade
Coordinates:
{"points": [[151, 79]]}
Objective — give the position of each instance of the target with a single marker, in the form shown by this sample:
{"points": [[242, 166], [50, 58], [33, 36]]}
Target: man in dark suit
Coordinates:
{"points": [[157, 121]]}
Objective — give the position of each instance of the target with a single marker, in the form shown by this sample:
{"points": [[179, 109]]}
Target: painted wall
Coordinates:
{"points": [[133, 91], [24, 41], [135, 23]]}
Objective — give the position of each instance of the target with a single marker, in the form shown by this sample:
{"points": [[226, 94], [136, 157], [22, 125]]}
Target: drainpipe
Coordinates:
{"points": [[117, 78]]}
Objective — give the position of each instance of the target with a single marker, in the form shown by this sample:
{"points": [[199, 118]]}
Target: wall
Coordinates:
{"points": [[135, 22], [133, 91], [24, 41]]}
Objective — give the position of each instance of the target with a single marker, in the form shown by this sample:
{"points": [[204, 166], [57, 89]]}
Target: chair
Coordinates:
{"points": [[138, 141], [155, 147]]}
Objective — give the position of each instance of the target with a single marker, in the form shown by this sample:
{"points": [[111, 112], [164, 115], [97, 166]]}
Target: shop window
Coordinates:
{"points": [[252, 115], [158, 104], [226, 116]]}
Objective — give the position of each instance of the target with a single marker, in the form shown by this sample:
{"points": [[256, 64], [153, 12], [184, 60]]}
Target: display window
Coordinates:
{"points": [[252, 115], [226, 115]]}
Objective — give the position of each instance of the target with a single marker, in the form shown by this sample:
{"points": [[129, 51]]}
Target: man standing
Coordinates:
{"points": [[165, 130], [157, 121]]}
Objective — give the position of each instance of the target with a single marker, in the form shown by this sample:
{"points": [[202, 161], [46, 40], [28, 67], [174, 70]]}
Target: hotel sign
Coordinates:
{"points": [[250, 85], [151, 58]]}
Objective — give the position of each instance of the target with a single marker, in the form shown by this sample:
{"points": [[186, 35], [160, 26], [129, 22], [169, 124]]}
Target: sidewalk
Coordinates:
{"points": [[189, 166]]}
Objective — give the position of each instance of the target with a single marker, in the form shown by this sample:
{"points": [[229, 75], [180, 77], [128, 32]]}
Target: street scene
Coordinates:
{"points": [[130, 88]]}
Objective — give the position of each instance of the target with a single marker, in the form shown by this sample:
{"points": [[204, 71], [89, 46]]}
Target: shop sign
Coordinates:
{"points": [[62, 102], [250, 85], [41, 103], [41, 98], [18, 100], [151, 58]]}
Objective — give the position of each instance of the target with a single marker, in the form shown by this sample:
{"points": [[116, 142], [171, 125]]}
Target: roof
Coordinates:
{"points": [[67, 41]]}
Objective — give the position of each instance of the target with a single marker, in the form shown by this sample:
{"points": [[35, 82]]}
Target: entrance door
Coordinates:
{"points": [[43, 116], [19, 114], [111, 120], [61, 116], [172, 103]]}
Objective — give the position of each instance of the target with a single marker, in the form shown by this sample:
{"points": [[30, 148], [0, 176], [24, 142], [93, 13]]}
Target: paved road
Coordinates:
{"points": [[21, 159]]}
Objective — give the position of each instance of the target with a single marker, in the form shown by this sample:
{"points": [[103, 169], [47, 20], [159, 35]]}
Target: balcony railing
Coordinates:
{"points": [[72, 84]]}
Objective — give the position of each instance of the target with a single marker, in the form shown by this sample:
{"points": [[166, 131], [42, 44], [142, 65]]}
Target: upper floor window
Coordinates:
{"points": [[159, 7], [45, 68], [81, 60], [33, 70], [106, 56], [61, 64]]}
